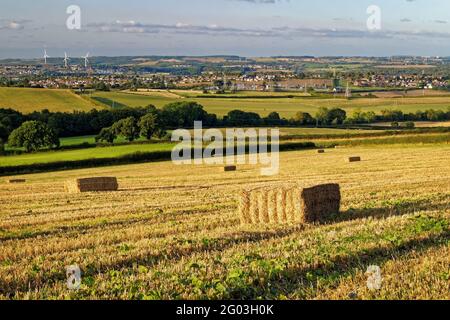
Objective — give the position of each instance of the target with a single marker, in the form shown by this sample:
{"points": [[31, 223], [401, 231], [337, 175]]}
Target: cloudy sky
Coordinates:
{"points": [[241, 27]]}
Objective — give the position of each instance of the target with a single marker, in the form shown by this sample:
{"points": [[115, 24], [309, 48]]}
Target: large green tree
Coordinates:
{"points": [[148, 125], [127, 128], [304, 118], [336, 116], [322, 116], [4, 133], [33, 135], [183, 114], [106, 135]]}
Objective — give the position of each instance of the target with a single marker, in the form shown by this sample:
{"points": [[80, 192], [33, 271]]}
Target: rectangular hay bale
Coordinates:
{"points": [[98, 184], [321, 151], [320, 202], [229, 168], [289, 204], [354, 159], [17, 181]]}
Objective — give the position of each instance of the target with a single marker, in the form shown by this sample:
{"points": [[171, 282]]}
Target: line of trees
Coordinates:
{"points": [[150, 122]]}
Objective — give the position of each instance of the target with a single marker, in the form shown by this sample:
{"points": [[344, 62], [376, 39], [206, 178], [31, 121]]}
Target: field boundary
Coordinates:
{"points": [[136, 157]]}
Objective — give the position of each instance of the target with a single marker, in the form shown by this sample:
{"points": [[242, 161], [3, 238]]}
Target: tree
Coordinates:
{"points": [[273, 119], [101, 86], [183, 115], [148, 125], [409, 125], [370, 116], [4, 133], [11, 119], [127, 128], [322, 116], [242, 118], [303, 118], [337, 116], [334, 116], [106, 135], [33, 135]]}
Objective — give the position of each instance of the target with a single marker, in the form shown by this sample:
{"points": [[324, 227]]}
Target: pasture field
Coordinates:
{"points": [[81, 154], [173, 232], [28, 100], [77, 141], [286, 107]]}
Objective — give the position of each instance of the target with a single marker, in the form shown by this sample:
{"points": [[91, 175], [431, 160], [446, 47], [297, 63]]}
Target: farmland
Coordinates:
{"points": [[321, 137], [173, 232], [286, 104], [286, 107], [82, 154], [29, 100]]}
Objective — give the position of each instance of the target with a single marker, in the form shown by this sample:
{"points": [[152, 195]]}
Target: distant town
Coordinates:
{"points": [[219, 74]]}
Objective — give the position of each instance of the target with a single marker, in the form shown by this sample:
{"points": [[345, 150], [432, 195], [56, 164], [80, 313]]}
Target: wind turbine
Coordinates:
{"points": [[66, 60], [86, 60], [45, 56]]}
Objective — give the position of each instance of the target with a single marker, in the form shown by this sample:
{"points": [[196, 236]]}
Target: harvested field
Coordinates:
{"points": [[171, 232]]}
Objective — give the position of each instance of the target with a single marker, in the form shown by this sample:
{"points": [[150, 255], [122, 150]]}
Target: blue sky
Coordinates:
{"points": [[241, 27]]}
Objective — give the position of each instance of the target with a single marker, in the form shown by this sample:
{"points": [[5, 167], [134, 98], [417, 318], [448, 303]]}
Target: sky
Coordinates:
{"points": [[234, 27]]}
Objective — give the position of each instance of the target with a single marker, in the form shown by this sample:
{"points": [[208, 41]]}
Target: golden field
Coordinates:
{"points": [[27, 100], [173, 232]]}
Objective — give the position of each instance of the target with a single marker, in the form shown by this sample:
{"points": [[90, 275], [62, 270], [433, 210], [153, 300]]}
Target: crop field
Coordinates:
{"points": [[28, 100], [286, 107], [173, 232]]}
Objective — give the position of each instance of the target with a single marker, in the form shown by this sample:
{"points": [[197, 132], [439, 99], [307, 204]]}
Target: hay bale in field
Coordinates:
{"points": [[289, 204], [320, 151], [354, 159], [272, 206], [99, 184], [229, 168], [263, 206], [320, 202], [16, 181], [244, 207]]}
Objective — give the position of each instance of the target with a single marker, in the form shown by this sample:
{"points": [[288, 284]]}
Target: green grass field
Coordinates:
{"points": [[28, 100], [81, 154], [73, 141]]}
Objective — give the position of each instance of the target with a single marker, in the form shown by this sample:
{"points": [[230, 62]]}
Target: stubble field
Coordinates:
{"points": [[173, 232]]}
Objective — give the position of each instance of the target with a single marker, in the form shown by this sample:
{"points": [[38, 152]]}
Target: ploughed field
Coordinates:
{"points": [[173, 232]]}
